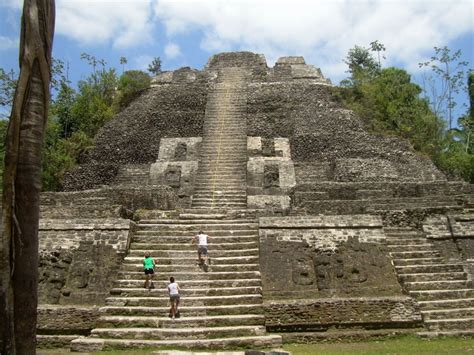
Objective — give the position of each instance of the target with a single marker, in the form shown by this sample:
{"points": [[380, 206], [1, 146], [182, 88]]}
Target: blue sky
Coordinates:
{"points": [[187, 32]]}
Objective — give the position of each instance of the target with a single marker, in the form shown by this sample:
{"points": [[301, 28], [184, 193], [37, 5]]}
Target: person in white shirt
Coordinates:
{"points": [[173, 290], [202, 239]]}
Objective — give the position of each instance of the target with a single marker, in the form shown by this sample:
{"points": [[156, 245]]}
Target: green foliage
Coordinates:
{"points": [[131, 84], [61, 109], [390, 103], [61, 154], [362, 65], [155, 66], [7, 90], [470, 89]]}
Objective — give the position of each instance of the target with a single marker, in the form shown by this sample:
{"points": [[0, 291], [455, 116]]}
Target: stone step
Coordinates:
{"points": [[239, 165], [179, 226], [223, 145], [450, 324], [417, 261], [210, 187], [397, 232], [226, 189], [191, 260], [198, 200], [209, 182], [178, 333], [212, 232], [215, 177], [161, 290], [220, 205], [440, 276], [150, 245], [193, 267], [196, 216], [190, 300], [199, 221], [96, 344], [214, 170], [187, 239], [190, 284], [185, 309], [430, 295], [447, 333], [229, 162], [216, 174], [164, 255], [216, 197], [211, 138], [411, 269], [447, 303], [220, 156], [166, 322], [53, 341], [414, 254], [436, 285], [422, 245], [452, 313], [220, 275]]}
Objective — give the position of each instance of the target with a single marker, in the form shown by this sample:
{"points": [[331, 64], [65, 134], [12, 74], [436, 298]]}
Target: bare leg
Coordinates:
{"points": [[146, 281], [173, 308]]}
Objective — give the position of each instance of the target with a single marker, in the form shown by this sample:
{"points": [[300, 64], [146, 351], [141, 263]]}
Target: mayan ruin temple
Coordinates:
{"points": [[318, 229]]}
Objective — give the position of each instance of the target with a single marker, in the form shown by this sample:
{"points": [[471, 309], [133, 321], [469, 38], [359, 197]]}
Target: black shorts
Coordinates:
{"points": [[202, 250], [174, 298], [149, 271]]}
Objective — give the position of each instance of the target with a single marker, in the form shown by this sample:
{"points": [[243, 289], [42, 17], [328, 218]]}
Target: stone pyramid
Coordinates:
{"points": [[318, 229]]}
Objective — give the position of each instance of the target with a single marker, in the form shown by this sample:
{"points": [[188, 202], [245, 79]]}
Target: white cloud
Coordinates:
{"points": [[322, 31], [124, 23], [172, 51], [8, 43]]}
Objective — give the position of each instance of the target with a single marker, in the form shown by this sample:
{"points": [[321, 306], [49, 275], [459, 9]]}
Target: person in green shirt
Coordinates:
{"points": [[149, 268]]}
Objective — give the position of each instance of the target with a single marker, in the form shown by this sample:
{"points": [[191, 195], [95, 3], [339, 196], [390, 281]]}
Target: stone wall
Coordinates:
{"points": [[453, 237], [325, 256], [270, 174], [321, 130], [324, 314], [80, 258], [133, 136], [66, 320], [400, 203], [177, 165]]}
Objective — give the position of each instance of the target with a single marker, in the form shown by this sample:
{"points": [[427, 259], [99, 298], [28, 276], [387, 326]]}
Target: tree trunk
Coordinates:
{"points": [[22, 180]]}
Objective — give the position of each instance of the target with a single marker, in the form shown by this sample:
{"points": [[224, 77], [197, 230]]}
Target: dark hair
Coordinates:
{"points": [[200, 232], [171, 279]]}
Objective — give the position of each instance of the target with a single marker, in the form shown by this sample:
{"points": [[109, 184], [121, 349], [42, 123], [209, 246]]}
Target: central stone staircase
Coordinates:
{"points": [[441, 288], [221, 306], [221, 180]]}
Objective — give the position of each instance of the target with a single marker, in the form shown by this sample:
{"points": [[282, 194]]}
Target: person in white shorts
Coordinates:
{"points": [[173, 290], [202, 243]]}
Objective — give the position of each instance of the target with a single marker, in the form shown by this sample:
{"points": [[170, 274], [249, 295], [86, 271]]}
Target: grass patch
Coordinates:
{"points": [[400, 345]]}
